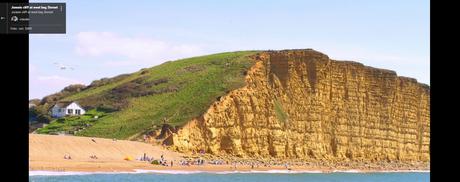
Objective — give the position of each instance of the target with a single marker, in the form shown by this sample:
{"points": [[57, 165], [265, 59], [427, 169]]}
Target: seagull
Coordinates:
{"points": [[62, 66]]}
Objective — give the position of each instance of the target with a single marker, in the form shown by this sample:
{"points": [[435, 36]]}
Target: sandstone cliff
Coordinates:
{"points": [[301, 104]]}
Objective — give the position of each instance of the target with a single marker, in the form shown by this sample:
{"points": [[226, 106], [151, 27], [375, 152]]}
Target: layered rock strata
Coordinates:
{"points": [[301, 104]]}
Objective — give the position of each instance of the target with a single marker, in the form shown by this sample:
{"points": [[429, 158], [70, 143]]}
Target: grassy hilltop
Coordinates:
{"points": [[132, 104]]}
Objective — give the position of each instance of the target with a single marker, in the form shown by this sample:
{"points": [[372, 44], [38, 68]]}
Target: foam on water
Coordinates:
{"points": [[139, 171], [225, 172], [347, 171], [406, 171]]}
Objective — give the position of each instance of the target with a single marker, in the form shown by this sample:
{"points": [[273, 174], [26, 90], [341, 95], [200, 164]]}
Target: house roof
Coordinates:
{"points": [[64, 104]]}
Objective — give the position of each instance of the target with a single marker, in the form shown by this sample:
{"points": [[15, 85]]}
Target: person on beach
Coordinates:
{"points": [[171, 163], [66, 156]]}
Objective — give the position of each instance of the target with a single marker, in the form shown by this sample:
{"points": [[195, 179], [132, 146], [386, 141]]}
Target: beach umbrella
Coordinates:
{"points": [[128, 158]]}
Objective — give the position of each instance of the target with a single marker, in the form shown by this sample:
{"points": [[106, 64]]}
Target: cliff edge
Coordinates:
{"points": [[299, 104]]}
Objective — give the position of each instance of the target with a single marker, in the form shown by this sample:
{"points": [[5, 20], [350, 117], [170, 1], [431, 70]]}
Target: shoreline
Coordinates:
{"points": [[41, 168], [166, 171], [47, 154]]}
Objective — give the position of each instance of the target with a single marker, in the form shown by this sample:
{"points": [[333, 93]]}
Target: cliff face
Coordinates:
{"points": [[301, 104]]}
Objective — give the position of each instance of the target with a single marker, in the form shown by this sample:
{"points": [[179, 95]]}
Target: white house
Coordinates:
{"points": [[62, 109]]}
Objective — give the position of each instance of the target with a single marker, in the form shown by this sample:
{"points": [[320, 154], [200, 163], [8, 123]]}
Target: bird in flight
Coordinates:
{"points": [[63, 67]]}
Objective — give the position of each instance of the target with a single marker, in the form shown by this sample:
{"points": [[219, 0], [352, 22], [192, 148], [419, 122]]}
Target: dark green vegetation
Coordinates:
{"points": [[39, 111], [173, 93], [155, 162], [73, 124]]}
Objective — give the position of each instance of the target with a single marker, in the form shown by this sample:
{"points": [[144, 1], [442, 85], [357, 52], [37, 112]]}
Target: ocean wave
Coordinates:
{"points": [[384, 171], [140, 171], [282, 171], [227, 172], [405, 171], [166, 171], [347, 171]]}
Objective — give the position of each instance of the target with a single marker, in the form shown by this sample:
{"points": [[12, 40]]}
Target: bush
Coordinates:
{"points": [[43, 118], [155, 162], [74, 88]]}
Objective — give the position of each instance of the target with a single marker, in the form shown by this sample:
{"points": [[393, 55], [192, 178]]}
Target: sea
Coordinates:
{"points": [[229, 176]]}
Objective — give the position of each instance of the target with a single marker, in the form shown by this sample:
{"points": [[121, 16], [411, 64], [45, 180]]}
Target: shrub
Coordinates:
{"points": [[155, 162]]}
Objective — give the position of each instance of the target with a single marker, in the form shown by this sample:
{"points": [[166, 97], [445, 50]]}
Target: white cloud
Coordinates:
{"points": [[134, 49]]}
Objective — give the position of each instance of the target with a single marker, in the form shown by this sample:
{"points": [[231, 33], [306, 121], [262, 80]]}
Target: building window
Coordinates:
{"points": [[69, 111], [77, 111]]}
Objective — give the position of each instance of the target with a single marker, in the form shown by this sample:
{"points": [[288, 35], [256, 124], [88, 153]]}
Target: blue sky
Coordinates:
{"points": [[106, 38]]}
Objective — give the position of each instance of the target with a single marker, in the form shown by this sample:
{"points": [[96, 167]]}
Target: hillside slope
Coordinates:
{"points": [[138, 103]]}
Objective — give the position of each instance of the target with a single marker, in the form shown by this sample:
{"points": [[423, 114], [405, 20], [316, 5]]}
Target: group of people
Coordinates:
{"points": [[164, 162], [145, 158], [191, 162], [257, 164], [93, 156], [217, 162]]}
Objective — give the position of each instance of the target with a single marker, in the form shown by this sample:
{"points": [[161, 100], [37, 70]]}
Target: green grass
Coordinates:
{"points": [[280, 114], [100, 89], [193, 85], [72, 123]]}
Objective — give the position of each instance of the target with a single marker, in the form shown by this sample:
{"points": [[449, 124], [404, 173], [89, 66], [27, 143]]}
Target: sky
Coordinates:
{"points": [[106, 38]]}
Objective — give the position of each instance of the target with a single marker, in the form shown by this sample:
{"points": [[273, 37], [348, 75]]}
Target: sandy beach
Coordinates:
{"points": [[46, 153]]}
